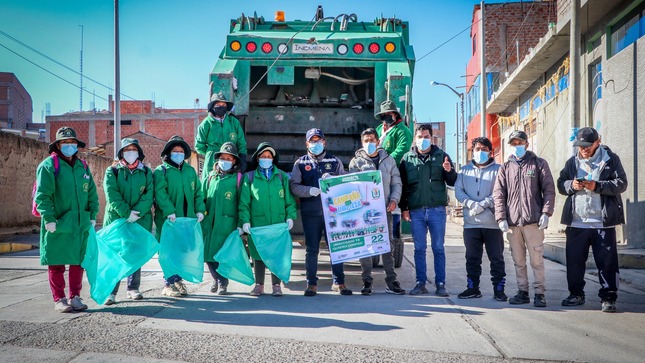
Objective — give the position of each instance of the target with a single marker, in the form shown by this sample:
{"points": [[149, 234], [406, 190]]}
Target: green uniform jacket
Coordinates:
{"points": [[424, 182], [397, 141], [70, 200], [266, 202], [128, 191], [176, 192], [212, 134], [221, 197]]}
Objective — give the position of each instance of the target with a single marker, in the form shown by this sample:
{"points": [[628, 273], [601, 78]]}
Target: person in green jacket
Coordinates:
{"points": [[220, 190], [265, 199], [217, 128], [129, 190], [177, 194], [68, 204]]}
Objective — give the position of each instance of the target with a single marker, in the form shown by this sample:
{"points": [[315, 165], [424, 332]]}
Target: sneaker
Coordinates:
{"points": [[522, 297], [344, 290], [135, 295], [394, 288], [335, 287], [539, 301], [181, 288], [62, 306], [277, 290], [170, 291], [500, 295], [441, 290], [257, 290], [573, 300], [470, 293], [419, 289], [367, 288], [111, 300], [311, 290], [608, 306], [214, 287], [77, 304], [223, 290]]}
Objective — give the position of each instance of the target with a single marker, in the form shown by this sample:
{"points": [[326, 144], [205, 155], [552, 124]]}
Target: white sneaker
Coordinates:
{"points": [[111, 300], [77, 304], [135, 295], [170, 291], [181, 288], [62, 306]]}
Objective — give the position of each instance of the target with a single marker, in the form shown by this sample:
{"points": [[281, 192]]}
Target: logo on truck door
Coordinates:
{"points": [[312, 49]]}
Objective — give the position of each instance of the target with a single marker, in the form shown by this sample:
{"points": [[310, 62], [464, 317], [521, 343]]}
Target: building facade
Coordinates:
{"points": [[16, 108]]}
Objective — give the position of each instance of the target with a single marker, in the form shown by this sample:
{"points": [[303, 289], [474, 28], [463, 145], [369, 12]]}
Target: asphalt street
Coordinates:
{"points": [[326, 328]]}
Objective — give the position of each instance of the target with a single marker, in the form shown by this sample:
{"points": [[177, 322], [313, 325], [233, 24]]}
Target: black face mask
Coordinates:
{"points": [[389, 119], [219, 111]]}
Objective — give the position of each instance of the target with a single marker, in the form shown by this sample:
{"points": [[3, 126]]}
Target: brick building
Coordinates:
{"points": [[512, 30], [16, 107]]}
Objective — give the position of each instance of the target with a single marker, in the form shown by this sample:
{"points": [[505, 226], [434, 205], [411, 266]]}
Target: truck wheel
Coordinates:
{"points": [[398, 252]]}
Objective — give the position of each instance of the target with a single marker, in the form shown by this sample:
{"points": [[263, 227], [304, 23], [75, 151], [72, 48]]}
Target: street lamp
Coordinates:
{"points": [[461, 99]]}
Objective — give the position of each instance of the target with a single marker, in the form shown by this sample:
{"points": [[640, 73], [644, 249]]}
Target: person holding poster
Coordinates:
{"points": [[372, 157], [425, 171], [307, 171], [265, 199]]}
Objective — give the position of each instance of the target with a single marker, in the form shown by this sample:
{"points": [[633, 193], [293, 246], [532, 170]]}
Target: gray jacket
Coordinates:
{"points": [[389, 172], [475, 184]]}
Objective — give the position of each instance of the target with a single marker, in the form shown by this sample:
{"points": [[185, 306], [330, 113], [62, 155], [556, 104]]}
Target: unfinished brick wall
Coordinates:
{"points": [[19, 158]]}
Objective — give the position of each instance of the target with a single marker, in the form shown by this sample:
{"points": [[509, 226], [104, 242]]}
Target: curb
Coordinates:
{"points": [[9, 247]]}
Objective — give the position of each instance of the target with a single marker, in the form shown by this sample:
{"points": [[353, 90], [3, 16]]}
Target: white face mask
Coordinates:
{"points": [[130, 156]]}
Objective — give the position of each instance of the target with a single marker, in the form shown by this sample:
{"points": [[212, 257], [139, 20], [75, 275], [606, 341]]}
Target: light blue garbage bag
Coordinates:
{"points": [[234, 261], [182, 249], [274, 245], [115, 252]]}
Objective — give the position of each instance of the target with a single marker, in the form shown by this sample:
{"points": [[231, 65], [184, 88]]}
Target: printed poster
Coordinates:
{"points": [[355, 216]]}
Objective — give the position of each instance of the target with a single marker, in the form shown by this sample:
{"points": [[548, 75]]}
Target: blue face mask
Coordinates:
{"points": [[177, 158], [316, 148], [423, 144], [265, 163], [370, 148], [519, 151], [480, 157], [69, 149], [225, 165]]}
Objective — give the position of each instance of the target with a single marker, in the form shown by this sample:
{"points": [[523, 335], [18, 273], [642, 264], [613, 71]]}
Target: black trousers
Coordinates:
{"points": [[475, 240], [212, 268], [603, 243]]}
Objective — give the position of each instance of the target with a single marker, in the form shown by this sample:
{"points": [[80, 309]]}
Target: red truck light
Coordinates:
{"points": [[267, 47], [358, 48], [251, 47], [374, 48]]}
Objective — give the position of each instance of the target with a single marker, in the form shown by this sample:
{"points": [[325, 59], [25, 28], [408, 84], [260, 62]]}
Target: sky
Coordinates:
{"points": [[169, 47]]}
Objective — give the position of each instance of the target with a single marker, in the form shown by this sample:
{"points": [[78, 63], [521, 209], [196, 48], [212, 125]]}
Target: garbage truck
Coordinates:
{"points": [[330, 72]]}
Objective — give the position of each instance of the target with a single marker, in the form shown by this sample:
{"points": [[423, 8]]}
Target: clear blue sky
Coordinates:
{"points": [[168, 47]]}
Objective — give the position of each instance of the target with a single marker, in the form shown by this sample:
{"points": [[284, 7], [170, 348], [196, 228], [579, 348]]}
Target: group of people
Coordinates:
{"points": [[516, 197]]}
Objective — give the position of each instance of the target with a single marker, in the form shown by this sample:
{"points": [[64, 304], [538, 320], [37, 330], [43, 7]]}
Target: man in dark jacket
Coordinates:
{"points": [[592, 180], [425, 171], [524, 196]]}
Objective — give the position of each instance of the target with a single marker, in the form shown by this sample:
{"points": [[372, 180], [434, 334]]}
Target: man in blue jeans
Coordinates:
{"points": [[307, 170], [425, 171]]}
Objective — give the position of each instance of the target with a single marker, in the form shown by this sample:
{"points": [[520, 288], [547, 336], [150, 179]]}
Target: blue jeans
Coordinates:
{"points": [[172, 279], [134, 281], [434, 220], [314, 227]]}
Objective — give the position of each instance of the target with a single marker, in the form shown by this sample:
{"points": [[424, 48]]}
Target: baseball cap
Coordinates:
{"points": [[518, 134], [314, 132], [586, 137]]}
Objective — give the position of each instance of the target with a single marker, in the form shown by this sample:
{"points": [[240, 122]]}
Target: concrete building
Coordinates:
{"points": [[611, 77], [16, 107], [439, 134]]}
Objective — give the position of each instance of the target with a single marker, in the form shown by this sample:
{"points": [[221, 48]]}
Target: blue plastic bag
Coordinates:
{"points": [[234, 261], [116, 251], [274, 245], [182, 249]]}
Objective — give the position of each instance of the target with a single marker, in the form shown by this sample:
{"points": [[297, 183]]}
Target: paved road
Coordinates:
{"points": [[326, 328]]}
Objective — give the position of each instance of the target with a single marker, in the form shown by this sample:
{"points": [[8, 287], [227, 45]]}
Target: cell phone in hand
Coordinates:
{"points": [[581, 179]]}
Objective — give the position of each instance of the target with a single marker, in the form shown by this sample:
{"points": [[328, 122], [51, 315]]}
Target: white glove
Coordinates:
{"points": [[240, 231], [93, 223], [474, 208], [289, 224], [172, 217], [200, 217], [544, 222], [326, 175], [134, 216], [503, 225], [50, 227], [246, 227], [314, 192]]}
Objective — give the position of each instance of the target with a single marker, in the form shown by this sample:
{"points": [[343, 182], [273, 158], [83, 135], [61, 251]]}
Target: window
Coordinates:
{"points": [[474, 44], [628, 30], [123, 122], [595, 84]]}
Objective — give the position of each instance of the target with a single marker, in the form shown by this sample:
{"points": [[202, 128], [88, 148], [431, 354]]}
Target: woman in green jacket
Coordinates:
{"points": [[220, 190], [265, 199], [68, 204], [177, 194], [129, 189]]}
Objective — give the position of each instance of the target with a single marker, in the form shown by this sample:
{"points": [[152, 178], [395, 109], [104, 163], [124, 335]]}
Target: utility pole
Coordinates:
{"points": [[117, 83], [574, 65], [80, 107], [482, 78], [458, 161]]}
